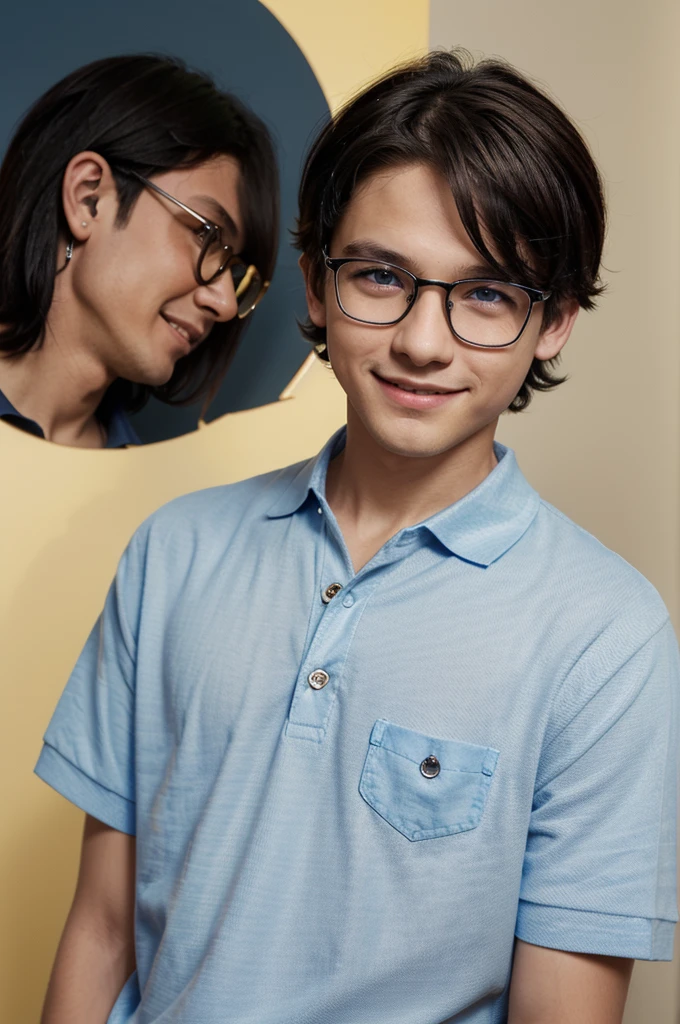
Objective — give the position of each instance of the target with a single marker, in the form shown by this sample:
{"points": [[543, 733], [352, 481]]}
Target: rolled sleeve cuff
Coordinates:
{"points": [[93, 798], [580, 931]]}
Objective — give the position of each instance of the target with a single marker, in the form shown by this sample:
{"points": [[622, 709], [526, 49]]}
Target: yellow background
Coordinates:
{"points": [[66, 515]]}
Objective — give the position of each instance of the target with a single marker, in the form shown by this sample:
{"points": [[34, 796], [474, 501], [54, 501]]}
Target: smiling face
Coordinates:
{"points": [[130, 292], [414, 388]]}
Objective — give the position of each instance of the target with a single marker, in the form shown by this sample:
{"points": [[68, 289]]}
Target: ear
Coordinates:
{"points": [[552, 340], [88, 184], [315, 304]]}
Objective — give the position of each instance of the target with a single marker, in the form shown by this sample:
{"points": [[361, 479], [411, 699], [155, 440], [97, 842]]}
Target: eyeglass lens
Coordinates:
{"points": [[247, 280], [486, 313]]}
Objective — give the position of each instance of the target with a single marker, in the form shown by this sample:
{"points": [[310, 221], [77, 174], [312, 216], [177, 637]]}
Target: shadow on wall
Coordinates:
{"points": [[248, 52]]}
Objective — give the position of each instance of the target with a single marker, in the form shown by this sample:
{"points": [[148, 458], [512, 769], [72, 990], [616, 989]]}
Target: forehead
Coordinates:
{"points": [[211, 189], [408, 208]]}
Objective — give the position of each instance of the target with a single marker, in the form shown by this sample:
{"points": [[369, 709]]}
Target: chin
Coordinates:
{"points": [[416, 438], [412, 446], [150, 376], [162, 378], [419, 452]]}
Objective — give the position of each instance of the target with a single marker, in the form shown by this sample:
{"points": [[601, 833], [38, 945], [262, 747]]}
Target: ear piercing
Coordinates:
{"points": [[70, 244]]}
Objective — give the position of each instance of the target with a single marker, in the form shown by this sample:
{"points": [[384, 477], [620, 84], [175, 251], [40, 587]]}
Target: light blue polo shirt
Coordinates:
{"points": [[348, 802]]}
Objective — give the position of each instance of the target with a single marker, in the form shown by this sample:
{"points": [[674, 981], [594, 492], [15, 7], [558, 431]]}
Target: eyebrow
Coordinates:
{"points": [[366, 248], [219, 214]]}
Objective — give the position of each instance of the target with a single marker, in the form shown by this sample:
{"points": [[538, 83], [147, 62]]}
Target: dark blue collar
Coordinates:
{"points": [[119, 431]]}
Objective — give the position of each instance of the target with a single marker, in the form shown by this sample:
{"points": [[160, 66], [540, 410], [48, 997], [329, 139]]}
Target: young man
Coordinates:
{"points": [[375, 723], [138, 227]]}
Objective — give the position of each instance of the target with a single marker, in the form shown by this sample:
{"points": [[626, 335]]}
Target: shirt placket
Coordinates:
{"points": [[342, 597]]}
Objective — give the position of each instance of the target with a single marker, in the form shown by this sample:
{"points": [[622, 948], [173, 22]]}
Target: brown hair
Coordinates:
{"points": [[519, 170]]}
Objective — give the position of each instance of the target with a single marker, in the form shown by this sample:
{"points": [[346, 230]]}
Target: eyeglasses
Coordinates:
{"points": [[215, 257], [480, 311]]}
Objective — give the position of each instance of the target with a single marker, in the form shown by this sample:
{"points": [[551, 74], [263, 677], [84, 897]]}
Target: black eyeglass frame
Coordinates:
{"points": [[214, 230], [535, 295]]}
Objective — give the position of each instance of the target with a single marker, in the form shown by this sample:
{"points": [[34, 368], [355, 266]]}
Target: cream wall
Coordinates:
{"points": [[65, 516], [605, 447]]}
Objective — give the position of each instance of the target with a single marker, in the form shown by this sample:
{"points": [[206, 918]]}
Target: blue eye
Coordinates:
{"points": [[486, 294], [381, 276]]}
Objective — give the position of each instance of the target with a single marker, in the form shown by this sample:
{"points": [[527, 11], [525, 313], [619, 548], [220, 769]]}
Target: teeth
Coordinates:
{"points": [[181, 330], [415, 391]]}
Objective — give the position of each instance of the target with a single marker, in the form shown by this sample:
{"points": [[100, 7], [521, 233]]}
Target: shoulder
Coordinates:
{"points": [[229, 502], [592, 587], [217, 511], [612, 643]]}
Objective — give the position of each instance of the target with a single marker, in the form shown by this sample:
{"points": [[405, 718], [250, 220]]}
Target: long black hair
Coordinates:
{"points": [[519, 170], [145, 113]]}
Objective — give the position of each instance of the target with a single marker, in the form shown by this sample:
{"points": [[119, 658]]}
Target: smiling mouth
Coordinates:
{"points": [[414, 390], [182, 331]]}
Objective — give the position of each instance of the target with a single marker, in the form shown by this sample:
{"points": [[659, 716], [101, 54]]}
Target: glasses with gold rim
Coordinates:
{"points": [[215, 257]]}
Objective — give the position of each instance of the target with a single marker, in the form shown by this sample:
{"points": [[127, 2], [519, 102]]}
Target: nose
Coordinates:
{"points": [[425, 336], [219, 297]]}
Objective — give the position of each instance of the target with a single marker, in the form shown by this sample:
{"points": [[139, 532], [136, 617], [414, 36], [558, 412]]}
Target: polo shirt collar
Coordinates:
{"points": [[479, 528], [120, 431], [310, 478], [489, 520]]}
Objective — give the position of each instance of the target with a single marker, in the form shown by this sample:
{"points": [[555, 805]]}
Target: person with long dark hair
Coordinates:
{"points": [[138, 230]]}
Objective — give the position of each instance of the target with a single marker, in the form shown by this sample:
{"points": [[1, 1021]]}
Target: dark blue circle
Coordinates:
{"points": [[247, 51]]}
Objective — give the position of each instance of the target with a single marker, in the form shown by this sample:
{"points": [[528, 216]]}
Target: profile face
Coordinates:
{"points": [[135, 286], [414, 387]]}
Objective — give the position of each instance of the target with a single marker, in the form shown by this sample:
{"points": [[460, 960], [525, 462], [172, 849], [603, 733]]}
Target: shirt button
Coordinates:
{"points": [[348, 601], [318, 679], [430, 767], [330, 592]]}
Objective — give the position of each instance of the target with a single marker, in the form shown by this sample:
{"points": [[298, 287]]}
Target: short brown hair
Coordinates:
{"points": [[519, 170]]}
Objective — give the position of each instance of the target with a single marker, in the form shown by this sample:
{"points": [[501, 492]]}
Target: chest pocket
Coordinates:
{"points": [[425, 787]]}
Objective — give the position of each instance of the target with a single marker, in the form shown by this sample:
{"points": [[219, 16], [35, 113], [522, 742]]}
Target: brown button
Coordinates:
{"points": [[330, 592], [318, 679], [430, 767]]}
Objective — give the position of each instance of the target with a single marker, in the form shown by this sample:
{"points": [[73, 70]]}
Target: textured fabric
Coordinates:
{"points": [[295, 864], [119, 430]]}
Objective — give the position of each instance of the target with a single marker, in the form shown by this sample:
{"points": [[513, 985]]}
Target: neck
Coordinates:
{"points": [[59, 385], [374, 493]]}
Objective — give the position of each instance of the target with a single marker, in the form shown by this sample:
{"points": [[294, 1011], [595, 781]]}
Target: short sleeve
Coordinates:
{"points": [[599, 872], [89, 747]]}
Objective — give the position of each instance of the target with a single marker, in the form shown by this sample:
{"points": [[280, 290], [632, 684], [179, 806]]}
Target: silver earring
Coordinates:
{"points": [[83, 223], [69, 250]]}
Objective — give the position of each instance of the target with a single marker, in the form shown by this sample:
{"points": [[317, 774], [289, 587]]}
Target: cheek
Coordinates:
{"points": [[149, 267], [352, 345], [501, 373], [350, 351]]}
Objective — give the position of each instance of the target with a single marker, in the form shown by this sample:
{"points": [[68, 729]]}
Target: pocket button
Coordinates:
{"points": [[430, 767]]}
